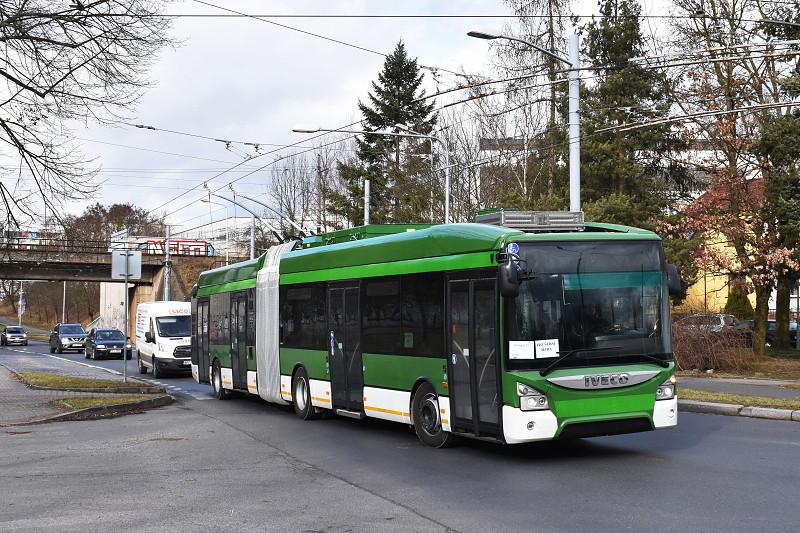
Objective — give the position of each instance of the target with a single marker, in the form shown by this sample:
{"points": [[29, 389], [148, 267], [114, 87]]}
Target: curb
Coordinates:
{"points": [[97, 412], [727, 409], [144, 389]]}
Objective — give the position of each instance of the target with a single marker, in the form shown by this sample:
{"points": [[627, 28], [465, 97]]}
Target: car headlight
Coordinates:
{"points": [[128, 346], [101, 346], [162, 347], [531, 399], [668, 389]]}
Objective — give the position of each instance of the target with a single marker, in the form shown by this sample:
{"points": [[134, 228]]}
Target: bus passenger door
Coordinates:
{"points": [[473, 358], [239, 341], [344, 347], [201, 341]]}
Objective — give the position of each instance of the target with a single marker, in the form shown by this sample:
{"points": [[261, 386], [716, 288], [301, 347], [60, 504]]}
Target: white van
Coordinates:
{"points": [[163, 337]]}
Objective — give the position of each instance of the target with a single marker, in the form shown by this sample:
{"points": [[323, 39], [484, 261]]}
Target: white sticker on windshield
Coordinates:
{"points": [[547, 348], [521, 350]]}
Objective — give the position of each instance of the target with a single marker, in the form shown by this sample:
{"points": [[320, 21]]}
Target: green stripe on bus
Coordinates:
{"points": [[412, 266], [400, 372], [314, 361], [227, 287]]}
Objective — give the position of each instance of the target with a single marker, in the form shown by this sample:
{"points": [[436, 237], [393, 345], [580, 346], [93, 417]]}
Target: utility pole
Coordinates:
{"points": [[574, 117], [167, 268], [64, 304], [574, 124], [366, 201]]}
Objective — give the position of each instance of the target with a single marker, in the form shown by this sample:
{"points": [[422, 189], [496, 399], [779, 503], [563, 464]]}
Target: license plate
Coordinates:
{"points": [[186, 363], [77, 344], [115, 351]]}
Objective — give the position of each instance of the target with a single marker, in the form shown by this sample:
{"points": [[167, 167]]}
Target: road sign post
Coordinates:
{"points": [[127, 265]]}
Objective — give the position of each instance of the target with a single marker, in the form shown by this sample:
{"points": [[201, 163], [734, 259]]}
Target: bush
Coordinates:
{"points": [[729, 351], [738, 304]]}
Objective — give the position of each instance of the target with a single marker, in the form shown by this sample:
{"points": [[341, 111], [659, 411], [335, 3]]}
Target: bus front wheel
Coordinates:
{"points": [[427, 420]]}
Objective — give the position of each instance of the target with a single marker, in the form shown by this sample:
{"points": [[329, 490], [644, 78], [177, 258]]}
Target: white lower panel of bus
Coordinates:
{"points": [[387, 404], [194, 372], [286, 388], [227, 378], [252, 382], [320, 393], [444, 409], [665, 413], [526, 426]]}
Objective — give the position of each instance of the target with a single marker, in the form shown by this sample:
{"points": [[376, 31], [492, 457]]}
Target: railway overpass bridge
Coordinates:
{"points": [[62, 260], [68, 261]]}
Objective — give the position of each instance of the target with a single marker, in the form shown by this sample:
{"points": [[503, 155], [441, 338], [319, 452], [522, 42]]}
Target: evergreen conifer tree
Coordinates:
{"points": [[399, 174], [626, 177]]}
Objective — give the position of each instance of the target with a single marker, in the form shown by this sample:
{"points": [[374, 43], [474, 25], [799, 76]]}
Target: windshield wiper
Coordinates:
{"points": [[570, 353], [661, 362]]}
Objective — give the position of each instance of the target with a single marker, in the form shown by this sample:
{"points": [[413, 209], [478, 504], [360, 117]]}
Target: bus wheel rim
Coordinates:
{"points": [[429, 415], [300, 393]]}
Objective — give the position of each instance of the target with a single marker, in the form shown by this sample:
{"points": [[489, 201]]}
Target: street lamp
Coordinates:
{"points": [[408, 134], [574, 113]]}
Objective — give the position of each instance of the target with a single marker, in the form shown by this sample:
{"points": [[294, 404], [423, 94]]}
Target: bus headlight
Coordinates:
{"points": [[667, 390], [531, 399]]}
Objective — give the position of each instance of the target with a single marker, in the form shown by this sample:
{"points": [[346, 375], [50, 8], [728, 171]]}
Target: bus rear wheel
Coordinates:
{"points": [[425, 415], [216, 382], [301, 395]]}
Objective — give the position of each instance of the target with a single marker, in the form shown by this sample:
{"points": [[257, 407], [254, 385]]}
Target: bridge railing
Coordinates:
{"points": [[53, 248]]}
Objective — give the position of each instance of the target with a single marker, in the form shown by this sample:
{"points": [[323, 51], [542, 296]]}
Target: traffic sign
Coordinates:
{"points": [[126, 264]]}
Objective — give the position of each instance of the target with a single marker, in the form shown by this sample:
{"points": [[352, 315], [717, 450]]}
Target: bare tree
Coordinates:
{"points": [[83, 61]]}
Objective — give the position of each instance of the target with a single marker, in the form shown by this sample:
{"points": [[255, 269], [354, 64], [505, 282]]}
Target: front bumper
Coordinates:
{"points": [[16, 340], [112, 352], [72, 345], [174, 365], [530, 426]]}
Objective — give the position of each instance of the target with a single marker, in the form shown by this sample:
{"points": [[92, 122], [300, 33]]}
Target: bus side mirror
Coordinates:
{"points": [[674, 280], [508, 279]]}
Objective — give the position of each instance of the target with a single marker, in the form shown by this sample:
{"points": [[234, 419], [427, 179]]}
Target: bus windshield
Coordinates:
{"points": [[174, 326], [608, 298]]}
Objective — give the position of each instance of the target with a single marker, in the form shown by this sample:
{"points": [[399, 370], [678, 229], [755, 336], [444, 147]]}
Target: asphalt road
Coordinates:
{"points": [[243, 464]]}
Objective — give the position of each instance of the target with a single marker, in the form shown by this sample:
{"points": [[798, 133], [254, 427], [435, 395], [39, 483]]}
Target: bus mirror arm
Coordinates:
{"points": [[674, 283]]}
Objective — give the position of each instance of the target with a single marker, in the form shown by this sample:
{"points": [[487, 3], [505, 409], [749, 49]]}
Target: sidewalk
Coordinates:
{"points": [[744, 386]]}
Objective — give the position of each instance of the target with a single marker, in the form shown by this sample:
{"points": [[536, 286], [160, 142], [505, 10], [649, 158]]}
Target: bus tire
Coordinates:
{"points": [[216, 382], [301, 395], [426, 418]]}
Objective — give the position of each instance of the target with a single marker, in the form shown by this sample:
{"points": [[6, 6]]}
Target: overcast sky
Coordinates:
{"points": [[245, 79]]}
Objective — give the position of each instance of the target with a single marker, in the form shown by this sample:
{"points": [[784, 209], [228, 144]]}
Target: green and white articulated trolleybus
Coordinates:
{"points": [[525, 326]]}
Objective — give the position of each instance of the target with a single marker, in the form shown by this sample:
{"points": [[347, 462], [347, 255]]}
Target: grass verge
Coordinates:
{"points": [[738, 399], [57, 381], [768, 367], [82, 402]]}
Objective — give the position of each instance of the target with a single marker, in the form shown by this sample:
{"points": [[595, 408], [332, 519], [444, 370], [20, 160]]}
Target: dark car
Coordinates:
{"points": [[105, 343], [67, 337], [772, 327], [14, 335]]}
